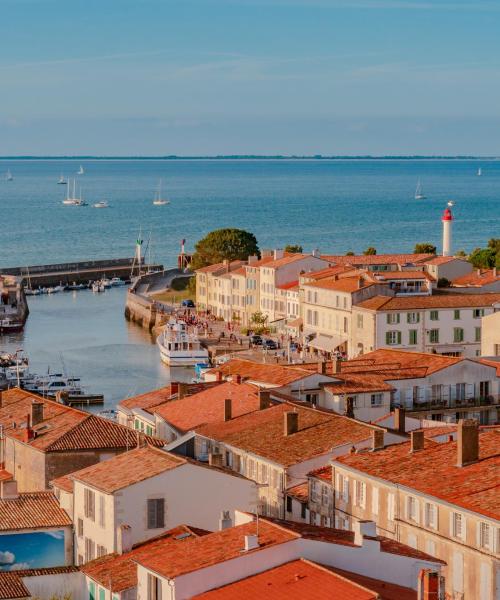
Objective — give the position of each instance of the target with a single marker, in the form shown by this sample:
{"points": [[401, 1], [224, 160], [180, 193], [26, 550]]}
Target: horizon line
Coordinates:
{"points": [[252, 157]]}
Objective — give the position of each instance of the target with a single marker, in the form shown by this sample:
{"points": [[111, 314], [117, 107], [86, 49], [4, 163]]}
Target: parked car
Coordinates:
{"points": [[256, 340], [269, 344], [188, 303]]}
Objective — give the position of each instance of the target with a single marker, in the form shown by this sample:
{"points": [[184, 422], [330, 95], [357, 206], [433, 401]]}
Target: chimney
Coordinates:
{"points": [[478, 271], [36, 412], [494, 271], [337, 365], [264, 399], [181, 390], [400, 420], [225, 520], [251, 542], [174, 387], [417, 440], [123, 539], [428, 585], [316, 253], [225, 262], [291, 423], [467, 442], [378, 439], [141, 440], [237, 378], [219, 375], [322, 367], [278, 253], [8, 490], [215, 459], [228, 409]]}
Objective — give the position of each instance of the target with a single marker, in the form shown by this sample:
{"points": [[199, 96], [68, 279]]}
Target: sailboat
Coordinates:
{"points": [[80, 171], [159, 201], [62, 181], [419, 193], [71, 198], [479, 172], [8, 176]]}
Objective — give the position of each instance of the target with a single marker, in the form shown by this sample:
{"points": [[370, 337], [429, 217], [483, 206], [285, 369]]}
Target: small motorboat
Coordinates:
{"points": [[116, 281], [97, 287], [62, 181], [76, 286], [106, 283], [10, 326], [102, 204], [32, 291]]}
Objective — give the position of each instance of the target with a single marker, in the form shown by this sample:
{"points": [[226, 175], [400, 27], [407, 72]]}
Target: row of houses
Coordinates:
{"points": [[353, 304]]}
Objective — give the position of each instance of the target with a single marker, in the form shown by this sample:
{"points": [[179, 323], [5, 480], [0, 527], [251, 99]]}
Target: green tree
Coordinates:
{"points": [[461, 254], [483, 258], [443, 282], [294, 249], [424, 248], [258, 318], [494, 243], [350, 253], [370, 251], [224, 244]]}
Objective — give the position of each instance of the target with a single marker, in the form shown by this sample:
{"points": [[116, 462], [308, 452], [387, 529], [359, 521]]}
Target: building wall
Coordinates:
{"points": [[364, 409], [61, 585], [27, 465], [450, 270], [490, 340]]}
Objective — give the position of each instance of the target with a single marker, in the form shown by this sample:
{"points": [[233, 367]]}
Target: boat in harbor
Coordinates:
{"points": [[179, 347], [71, 198], [8, 176], [419, 193], [10, 326], [116, 281], [62, 181], [101, 204], [98, 286], [159, 201]]}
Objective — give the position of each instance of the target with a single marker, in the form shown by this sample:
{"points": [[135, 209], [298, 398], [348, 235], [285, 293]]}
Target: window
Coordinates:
{"points": [[314, 493], [485, 537], [342, 488], [289, 504], [392, 338], [303, 509], [477, 313], [359, 493], [458, 334], [376, 399], [80, 528], [392, 318], [102, 594], [434, 315], [413, 317], [89, 549], [324, 495], [477, 334], [156, 513], [91, 590], [391, 507], [456, 314], [312, 518], [430, 515], [458, 526], [412, 337], [360, 321], [412, 509], [89, 504], [434, 336], [102, 511], [154, 587], [101, 551]]}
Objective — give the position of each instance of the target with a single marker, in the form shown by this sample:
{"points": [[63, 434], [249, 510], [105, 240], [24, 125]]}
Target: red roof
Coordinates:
{"points": [[434, 471], [300, 492], [271, 374], [151, 399], [436, 300], [345, 284], [118, 572], [324, 473], [34, 510], [387, 358], [299, 579], [208, 406], [379, 259], [478, 278], [288, 286]]}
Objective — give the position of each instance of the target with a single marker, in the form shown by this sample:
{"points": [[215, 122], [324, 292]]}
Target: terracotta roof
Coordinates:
{"points": [[385, 590], [298, 579], [262, 433], [5, 475], [286, 260], [324, 473], [330, 271], [387, 358], [475, 279], [149, 400], [64, 483], [449, 300], [433, 471], [240, 271], [491, 363], [300, 492], [346, 284], [118, 572], [34, 510], [12, 585], [379, 259], [208, 406], [358, 383], [441, 260], [63, 428], [392, 275], [128, 468], [271, 374], [288, 286], [215, 548], [220, 268]]}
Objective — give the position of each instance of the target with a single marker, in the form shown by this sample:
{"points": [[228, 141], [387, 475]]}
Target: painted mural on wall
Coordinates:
{"points": [[32, 550]]}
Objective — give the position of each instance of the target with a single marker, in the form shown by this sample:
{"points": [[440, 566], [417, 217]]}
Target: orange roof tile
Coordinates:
{"points": [[286, 260], [324, 473], [300, 492], [346, 284], [128, 468], [298, 579], [442, 260], [208, 406], [393, 275], [118, 572], [384, 589], [477, 279], [387, 358], [357, 383], [271, 374], [288, 286], [379, 259], [12, 585], [434, 471], [491, 363], [339, 270], [148, 400], [34, 510], [262, 433], [5, 475], [436, 300], [219, 268], [64, 483]]}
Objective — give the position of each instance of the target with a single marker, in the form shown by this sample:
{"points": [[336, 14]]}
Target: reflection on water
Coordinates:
{"points": [[88, 334]]}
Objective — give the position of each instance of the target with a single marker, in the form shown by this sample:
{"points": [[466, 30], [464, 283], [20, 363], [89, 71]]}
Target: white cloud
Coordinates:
{"points": [[7, 558], [57, 535], [20, 566]]}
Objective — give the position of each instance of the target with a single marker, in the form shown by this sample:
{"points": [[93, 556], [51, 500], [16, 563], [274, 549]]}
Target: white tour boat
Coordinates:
{"points": [[178, 347]]}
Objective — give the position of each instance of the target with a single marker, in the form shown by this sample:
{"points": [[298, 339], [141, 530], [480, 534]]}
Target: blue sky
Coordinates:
{"points": [[249, 76]]}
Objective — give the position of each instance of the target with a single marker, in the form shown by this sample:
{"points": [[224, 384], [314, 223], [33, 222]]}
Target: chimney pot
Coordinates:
{"points": [[228, 409], [264, 399], [400, 420], [322, 367], [36, 412], [238, 379], [181, 390], [467, 442], [219, 375], [225, 520], [291, 423], [417, 440], [378, 439], [251, 542], [123, 539], [338, 365], [174, 387]]}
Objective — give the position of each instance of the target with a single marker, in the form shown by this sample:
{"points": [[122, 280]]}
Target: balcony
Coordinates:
{"points": [[441, 404]]}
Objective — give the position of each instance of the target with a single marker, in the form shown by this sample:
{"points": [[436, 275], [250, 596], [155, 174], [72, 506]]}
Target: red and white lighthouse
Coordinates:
{"points": [[447, 219]]}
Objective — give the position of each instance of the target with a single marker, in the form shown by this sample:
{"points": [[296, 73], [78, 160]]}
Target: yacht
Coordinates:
{"points": [[71, 197], [80, 171], [159, 201], [116, 281], [178, 347], [101, 204], [62, 181], [106, 283], [98, 286], [419, 194], [479, 172], [8, 176]]}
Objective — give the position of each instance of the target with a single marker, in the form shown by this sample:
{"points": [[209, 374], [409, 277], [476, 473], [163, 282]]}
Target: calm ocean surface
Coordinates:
{"points": [[335, 206]]}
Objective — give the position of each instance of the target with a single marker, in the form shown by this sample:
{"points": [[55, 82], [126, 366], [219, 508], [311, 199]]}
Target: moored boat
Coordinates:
{"points": [[179, 347]]}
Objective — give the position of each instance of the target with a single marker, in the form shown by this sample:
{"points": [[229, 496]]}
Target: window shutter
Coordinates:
{"points": [[398, 318], [388, 337], [452, 529], [375, 500], [355, 493], [399, 336], [160, 514], [388, 318], [478, 534], [151, 514], [363, 498]]}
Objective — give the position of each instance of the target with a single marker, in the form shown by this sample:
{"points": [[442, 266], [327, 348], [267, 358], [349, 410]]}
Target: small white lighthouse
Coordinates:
{"points": [[447, 218]]}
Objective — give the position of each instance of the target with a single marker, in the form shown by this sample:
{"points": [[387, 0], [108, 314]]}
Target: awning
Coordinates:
{"points": [[327, 343]]}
